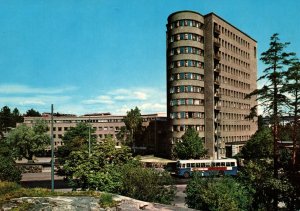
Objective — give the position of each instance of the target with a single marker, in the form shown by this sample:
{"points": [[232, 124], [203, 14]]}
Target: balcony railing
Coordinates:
{"points": [[217, 69], [217, 56], [217, 43], [217, 107], [217, 82], [217, 95]]}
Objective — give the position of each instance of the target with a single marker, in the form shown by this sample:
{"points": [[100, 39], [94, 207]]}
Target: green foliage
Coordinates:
{"points": [[106, 200], [191, 146], [275, 59], [7, 187], [8, 170], [260, 146], [114, 170], [133, 122], [32, 113], [96, 171], [148, 184], [76, 139], [217, 194], [25, 141], [9, 119], [258, 177]]}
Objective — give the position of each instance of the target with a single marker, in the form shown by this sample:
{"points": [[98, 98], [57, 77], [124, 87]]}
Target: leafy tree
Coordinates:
{"points": [[95, 172], [33, 113], [76, 139], [133, 122], [191, 146], [292, 87], [258, 177], [114, 170], [217, 194], [260, 146], [26, 141], [123, 136]]}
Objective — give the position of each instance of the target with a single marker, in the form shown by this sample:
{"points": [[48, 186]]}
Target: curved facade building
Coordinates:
{"points": [[196, 61]]}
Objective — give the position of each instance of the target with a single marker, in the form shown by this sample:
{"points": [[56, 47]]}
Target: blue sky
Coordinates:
{"points": [[109, 56]]}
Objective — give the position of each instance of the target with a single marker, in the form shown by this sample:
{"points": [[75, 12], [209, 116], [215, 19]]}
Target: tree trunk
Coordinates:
{"points": [[295, 130]]}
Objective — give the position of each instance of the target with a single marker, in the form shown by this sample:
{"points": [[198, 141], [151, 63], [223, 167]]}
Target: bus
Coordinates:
{"points": [[185, 168]]}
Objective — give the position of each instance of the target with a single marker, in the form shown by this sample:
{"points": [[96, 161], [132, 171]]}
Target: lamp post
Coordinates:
{"points": [[89, 138], [52, 151]]}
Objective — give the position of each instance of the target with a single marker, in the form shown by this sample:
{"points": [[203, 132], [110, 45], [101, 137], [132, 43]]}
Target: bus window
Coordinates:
{"points": [[227, 164], [213, 164], [188, 165], [223, 164], [197, 164], [202, 165], [207, 164], [232, 164], [193, 165], [182, 165], [217, 164]]}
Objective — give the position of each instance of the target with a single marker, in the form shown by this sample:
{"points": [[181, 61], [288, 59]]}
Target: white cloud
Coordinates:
{"points": [[119, 101], [24, 89], [102, 99], [140, 95]]}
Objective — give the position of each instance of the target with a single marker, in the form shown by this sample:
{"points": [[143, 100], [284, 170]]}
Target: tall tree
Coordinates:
{"points": [[133, 122], [270, 95], [26, 141], [292, 87], [31, 112], [191, 146]]}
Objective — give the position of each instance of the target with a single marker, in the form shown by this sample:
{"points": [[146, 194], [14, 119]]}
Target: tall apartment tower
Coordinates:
{"points": [[211, 67]]}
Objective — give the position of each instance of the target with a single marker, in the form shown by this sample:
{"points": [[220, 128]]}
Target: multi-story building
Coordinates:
{"points": [[211, 67], [106, 125]]}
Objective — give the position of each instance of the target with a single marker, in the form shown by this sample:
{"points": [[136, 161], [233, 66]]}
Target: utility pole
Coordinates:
{"points": [[52, 151], [89, 138]]}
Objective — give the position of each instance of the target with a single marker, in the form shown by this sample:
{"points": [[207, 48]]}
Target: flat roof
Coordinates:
{"points": [[230, 24], [209, 14]]}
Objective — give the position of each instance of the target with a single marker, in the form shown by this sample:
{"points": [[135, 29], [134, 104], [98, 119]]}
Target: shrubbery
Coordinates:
{"points": [[114, 170], [8, 170], [217, 194]]}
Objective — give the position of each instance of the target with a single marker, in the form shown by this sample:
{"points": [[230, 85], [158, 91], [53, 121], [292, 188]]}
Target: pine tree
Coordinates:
{"points": [[292, 88], [271, 95]]}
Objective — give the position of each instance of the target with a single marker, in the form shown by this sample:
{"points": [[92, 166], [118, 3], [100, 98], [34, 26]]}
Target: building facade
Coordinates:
{"points": [[106, 125], [211, 67]]}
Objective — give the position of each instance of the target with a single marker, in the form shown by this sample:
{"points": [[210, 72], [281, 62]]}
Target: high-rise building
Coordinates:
{"points": [[211, 67]]}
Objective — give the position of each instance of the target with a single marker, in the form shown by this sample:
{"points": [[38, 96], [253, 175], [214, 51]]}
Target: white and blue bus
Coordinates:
{"points": [[185, 168]]}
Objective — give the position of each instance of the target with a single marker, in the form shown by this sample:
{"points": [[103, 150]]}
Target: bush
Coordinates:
{"points": [[8, 170], [7, 187], [106, 200], [148, 185], [217, 194]]}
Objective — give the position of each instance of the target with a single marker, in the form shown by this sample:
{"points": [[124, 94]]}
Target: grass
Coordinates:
{"points": [[106, 200], [10, 190]]}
